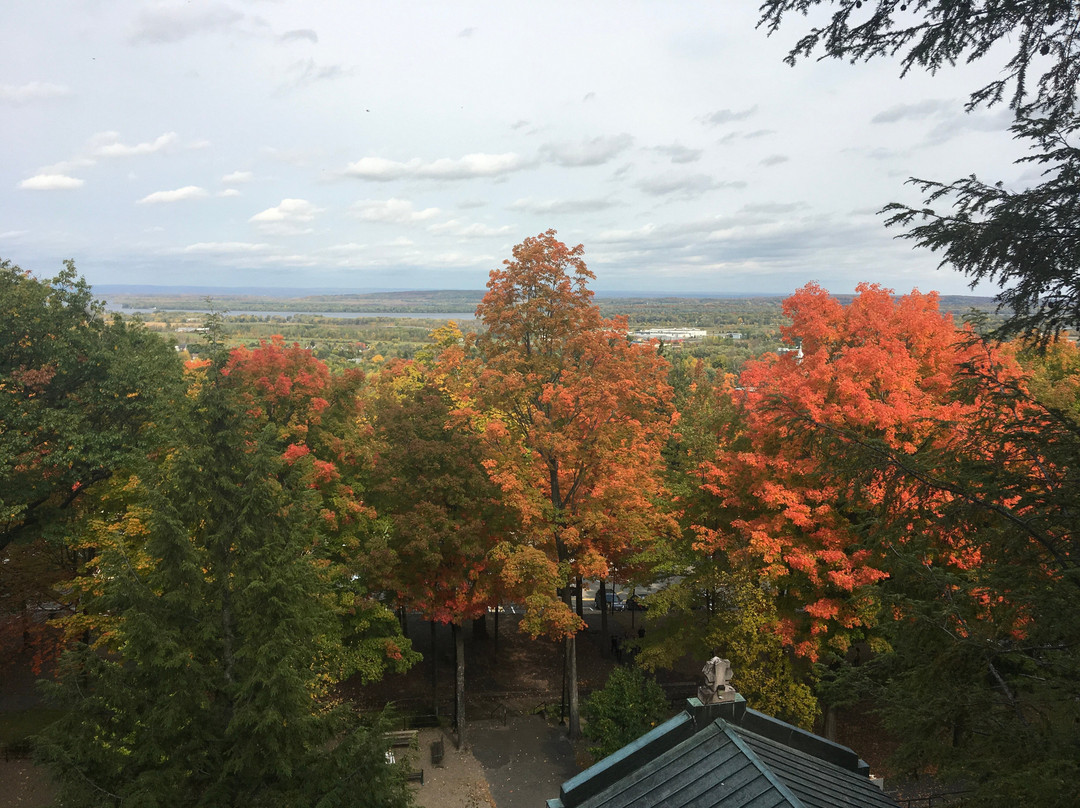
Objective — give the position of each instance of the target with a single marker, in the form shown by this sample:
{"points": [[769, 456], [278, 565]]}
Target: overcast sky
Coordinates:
{"points": [[364, 145]]}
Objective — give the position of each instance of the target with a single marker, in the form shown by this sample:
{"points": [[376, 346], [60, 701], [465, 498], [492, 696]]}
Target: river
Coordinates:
{"points": [[340, 315]]}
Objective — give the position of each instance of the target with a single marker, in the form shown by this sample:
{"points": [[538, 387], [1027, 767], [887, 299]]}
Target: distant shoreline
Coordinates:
{"points": [[441, 304], [288, 314]]}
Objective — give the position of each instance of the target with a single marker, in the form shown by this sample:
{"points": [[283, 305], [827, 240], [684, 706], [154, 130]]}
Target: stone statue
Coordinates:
{"points": [[717, 673]]}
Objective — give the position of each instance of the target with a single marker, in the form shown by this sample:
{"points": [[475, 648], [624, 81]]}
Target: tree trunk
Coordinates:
{"points": [[580, 595], [829, 729], [434, 673], [604, 650], [562, 554], [574, 730], [479, 627], [459, 685]]}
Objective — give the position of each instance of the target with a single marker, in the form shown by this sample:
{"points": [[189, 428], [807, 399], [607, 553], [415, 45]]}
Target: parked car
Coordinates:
{"points": [[636, 603], [614, 602]]}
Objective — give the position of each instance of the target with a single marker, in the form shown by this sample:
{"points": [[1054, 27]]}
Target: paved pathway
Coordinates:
{"points": [[524, 762]]}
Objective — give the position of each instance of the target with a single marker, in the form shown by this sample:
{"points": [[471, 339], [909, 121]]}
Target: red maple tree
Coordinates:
{"points": [[879, 372]]}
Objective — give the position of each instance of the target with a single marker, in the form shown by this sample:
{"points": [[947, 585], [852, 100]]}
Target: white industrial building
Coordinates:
{"points": [[669, 334]]}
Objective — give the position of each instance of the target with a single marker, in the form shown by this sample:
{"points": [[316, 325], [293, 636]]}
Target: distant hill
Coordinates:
{"points": [[244, 299], [408, 302]]}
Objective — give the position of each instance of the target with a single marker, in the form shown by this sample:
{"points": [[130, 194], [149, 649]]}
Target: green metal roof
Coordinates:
{"points": [[746, 761]]}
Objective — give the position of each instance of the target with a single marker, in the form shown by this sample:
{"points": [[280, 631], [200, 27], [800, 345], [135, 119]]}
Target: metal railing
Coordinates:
{"points": [[936, 800]]}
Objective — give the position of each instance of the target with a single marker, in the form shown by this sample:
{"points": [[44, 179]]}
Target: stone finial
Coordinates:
{"points": [[717, 673]]}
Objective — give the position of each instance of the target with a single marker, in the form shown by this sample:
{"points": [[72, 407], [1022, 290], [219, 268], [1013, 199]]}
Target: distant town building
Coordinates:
{"points": [[668, 335], [796, 351]]}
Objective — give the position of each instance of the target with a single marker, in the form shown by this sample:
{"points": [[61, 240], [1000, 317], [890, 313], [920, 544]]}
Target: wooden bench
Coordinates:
{"points": [[404, 737], [416, 774]]}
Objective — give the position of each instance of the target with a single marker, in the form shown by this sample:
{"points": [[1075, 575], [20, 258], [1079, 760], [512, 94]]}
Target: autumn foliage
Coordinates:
{"points": [[574, 416], [879, 374], [428, 484]]}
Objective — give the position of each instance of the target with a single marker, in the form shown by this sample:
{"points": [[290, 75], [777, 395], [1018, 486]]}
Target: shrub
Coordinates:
{"points": [[627, 707]]}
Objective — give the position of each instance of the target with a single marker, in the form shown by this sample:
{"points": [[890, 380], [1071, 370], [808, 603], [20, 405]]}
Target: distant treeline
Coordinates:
{"points": [[708, 312], [388, 302]]}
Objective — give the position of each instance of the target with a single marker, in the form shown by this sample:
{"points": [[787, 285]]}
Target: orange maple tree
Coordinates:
{"points": [[575, 416], [879, 373]]}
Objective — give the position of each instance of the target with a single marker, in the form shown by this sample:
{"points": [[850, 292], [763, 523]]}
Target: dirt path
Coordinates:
{"points": [[22, 784], [458, 782], [525, 761]]}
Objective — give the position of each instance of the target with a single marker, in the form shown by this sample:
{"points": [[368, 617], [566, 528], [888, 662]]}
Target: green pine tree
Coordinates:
{"points": [[205, 681]]}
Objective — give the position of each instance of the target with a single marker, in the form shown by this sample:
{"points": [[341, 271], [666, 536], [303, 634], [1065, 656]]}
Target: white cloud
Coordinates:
{"points": [[470, 166], [679, 154], [299, 33], [686, 186], [455, 227], [921, 109], [722, 116], [177, 195], [456, 259], [295, 157], [589, 152], [165, 24], [107, 144], [288, 218], [557, 206], [731, 137], [350, 247], [224, 248], [393, 211], [776, 207], [237, 177], [962, 123], [12, 234], [228, 192], [290, 209], [67, 166], [306, 71], [32, 91], [775, 160], [51, 182]]}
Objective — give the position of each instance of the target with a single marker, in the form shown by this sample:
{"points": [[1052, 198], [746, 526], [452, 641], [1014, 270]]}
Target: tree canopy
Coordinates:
{"points": [[575, 417], [213, 637], [79, 397], [904, 487], [1042, 72]]}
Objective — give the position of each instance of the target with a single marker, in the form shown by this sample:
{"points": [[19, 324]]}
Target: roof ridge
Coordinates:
{"points": [[730, 731]]}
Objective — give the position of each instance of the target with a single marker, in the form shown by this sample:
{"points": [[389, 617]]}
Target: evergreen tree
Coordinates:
{"points": [[625, 708], [204, 680], [1023, 238]]}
